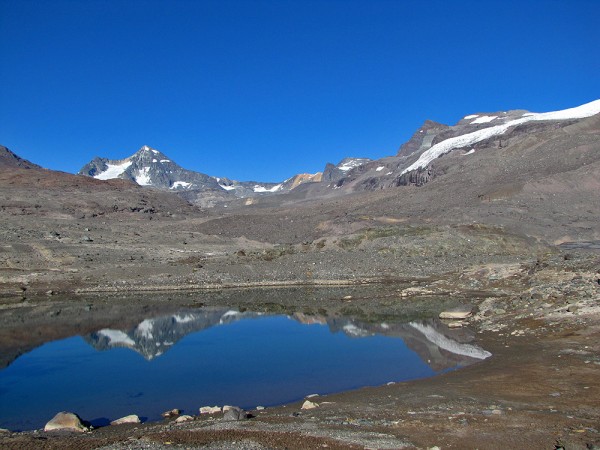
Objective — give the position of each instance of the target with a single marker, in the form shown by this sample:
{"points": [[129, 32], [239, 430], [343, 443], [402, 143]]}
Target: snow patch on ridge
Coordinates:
{"points": [[113, 171], [181, 184], [441, 148], [143, 178], [350, 165], [259, 188], [484, 119]]}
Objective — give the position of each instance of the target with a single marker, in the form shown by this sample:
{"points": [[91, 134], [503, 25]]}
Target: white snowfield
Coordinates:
{"points": [[113, 171], [484, 119], [450, 345], [182, 184], [441, 148], [227, 188], [351, 164], [259, 188], [143, 177]]}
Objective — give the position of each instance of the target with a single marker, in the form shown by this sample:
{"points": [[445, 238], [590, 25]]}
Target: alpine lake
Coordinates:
{"points": [[110, 356]]}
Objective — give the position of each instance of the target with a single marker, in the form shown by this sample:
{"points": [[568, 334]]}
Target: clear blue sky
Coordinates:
{"points": [[265, 89]]}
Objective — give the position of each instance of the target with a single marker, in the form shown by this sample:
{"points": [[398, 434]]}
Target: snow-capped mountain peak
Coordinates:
{"points": [[504, 123], [148, 167]]}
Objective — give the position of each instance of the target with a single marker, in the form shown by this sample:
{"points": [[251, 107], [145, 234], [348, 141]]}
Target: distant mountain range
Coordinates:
{"points": [[414, 164], [411, 165], [152, 168]]}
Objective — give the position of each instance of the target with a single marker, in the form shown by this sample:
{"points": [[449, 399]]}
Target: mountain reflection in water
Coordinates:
{"points": [[440, 347], [216, 356]]}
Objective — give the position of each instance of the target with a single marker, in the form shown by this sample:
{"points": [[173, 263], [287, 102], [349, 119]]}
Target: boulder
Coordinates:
{"points": [[234, 413], [132, 418], [210, 410], [184, 418], [66, 421], [309, 405]]}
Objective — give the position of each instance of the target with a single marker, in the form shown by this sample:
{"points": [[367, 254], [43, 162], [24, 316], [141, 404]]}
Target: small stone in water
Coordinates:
{"points": [[172, 413]]}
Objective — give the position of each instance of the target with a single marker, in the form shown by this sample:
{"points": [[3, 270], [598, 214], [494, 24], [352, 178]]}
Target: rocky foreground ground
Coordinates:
{"points": [[540, 389]]}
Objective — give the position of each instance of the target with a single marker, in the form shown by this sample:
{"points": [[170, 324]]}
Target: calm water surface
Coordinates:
{"points": [[215, 357]]}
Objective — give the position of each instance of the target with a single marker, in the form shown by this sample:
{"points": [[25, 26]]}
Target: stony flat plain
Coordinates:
{"points": [[514, 237]]}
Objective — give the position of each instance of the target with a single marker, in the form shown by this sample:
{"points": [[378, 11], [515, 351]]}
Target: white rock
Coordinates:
{"points": [[184, 418], [309, 405], [132, 418], [455, 315], [65, 421], [210, 410]]}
